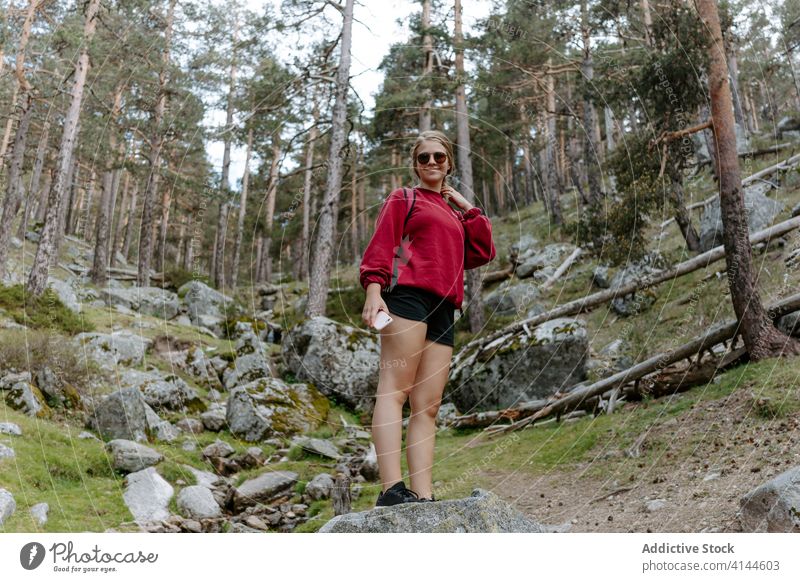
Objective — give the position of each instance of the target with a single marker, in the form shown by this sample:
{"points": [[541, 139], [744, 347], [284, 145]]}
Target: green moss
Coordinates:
{"points": [[43, 312]]}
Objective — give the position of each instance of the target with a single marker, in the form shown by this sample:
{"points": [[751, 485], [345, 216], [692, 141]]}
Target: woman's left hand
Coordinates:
{"points": [[452, 195]]}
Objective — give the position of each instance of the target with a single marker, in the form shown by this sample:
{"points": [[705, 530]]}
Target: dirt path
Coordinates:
{"points": [[701, 465]]}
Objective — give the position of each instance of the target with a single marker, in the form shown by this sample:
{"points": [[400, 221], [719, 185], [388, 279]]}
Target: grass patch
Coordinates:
{"points": [[43, 312]]}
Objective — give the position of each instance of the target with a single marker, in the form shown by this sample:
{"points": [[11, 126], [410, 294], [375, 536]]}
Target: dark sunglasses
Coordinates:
{"points": [[438, 157]]}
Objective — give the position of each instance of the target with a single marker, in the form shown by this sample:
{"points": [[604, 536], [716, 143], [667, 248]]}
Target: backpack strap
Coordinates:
{"points": [[413, 202]]}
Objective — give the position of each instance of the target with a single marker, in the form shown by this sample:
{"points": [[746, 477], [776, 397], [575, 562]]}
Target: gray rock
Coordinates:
{"points": [[635, 303], [482, 512], [120, 348], [773, 506], [263, 488], [321, 447], [341, 361], [520, 367], [790, 324], [65, 293], [201, 300], [201, 368], [320, 487], [511, 298], [39, 513], [6, 452], [550, 257], [147, 496], [10, 428], [214, 419], [121, 415], [218, 448], [204, 478], [761, 212], [26, 398], [446, 413], [129, 456], [369, 467], [198, 502], [654, 505], [8, 380], [190, 425], [600, 277], [271, 407], [163, 392], [524, 247], [7, 505], [146, 300]]}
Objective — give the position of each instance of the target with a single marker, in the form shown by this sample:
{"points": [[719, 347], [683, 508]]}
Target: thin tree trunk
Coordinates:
{"points": [[237, 244], [44, 195], [156, 145], [551, 163], [47, 250], [123, 210], [472, 297], [591, 151], [319, 280], [682, 216], [272, 192], [129, 222], [34, 193], [307, 177], [761, 338], [14, 186], [427, 47]]}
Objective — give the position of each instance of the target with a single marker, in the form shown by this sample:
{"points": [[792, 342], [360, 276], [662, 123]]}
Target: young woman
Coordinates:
{"points": [[413, 268]]}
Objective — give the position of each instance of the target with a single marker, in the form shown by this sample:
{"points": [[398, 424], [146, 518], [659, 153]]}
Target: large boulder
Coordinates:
{"points": [[119, 348], [638, 301], [7, 505], [511, 298], [163, 392], [129, 456], [125, 414], [26, 398], [147, 496], [146, 300], [341, 361], [773, 506], [481, 512], [270, 407], [251, 362], [263, 489], [761, 212], [197, 502], [205, 305], [520, 367], [66, 293]]}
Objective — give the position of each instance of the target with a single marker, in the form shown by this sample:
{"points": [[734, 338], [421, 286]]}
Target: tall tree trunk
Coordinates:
{"points": [[47, 250], [321, 264], [354, 207], [272, 193], [218, 274], [35, 193], [307, 177], [427, 47], [105, 214], [129, 222], [591, 151], [682, 215], [65, 224], [473, 298], [163, 224], [14, 186], [154, 157], [237, 243], [123, 209], [761, 338], [551, 163]]}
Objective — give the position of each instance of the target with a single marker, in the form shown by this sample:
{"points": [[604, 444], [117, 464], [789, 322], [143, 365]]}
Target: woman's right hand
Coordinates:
{"points": [[372, 305]]}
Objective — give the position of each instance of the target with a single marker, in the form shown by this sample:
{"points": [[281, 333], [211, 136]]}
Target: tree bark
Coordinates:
{"points": [[591, 151], [427, 47], [321, 265], [14, 188], [473, 298], [761, 337], [551, 170], [237, 243], [47, 250], [307, 178], [154, 158]]}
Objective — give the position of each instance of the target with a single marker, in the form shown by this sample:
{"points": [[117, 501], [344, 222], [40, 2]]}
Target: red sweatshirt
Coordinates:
{"points": [[439, 243]]}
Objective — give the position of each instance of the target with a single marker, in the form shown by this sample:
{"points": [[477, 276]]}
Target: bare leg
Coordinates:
{"points": [[426, 397], [402, 342]]}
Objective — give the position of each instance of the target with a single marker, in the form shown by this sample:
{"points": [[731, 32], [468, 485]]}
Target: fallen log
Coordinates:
{"points": [[593, 300], [563, 268], [786, 164], [575, 398]]}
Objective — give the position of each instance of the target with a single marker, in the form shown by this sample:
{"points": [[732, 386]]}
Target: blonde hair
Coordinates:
{"points": [[442, 139]]}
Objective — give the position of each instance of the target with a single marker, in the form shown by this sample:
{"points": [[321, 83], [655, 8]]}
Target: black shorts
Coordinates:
{"points": [[422, 305]]}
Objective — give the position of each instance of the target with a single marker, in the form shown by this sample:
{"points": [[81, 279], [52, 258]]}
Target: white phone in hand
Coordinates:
{"points": [[382, 320]]}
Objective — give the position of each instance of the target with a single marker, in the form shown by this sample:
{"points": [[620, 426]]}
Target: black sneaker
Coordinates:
{"points": [[433, 498], [397, 493]]}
